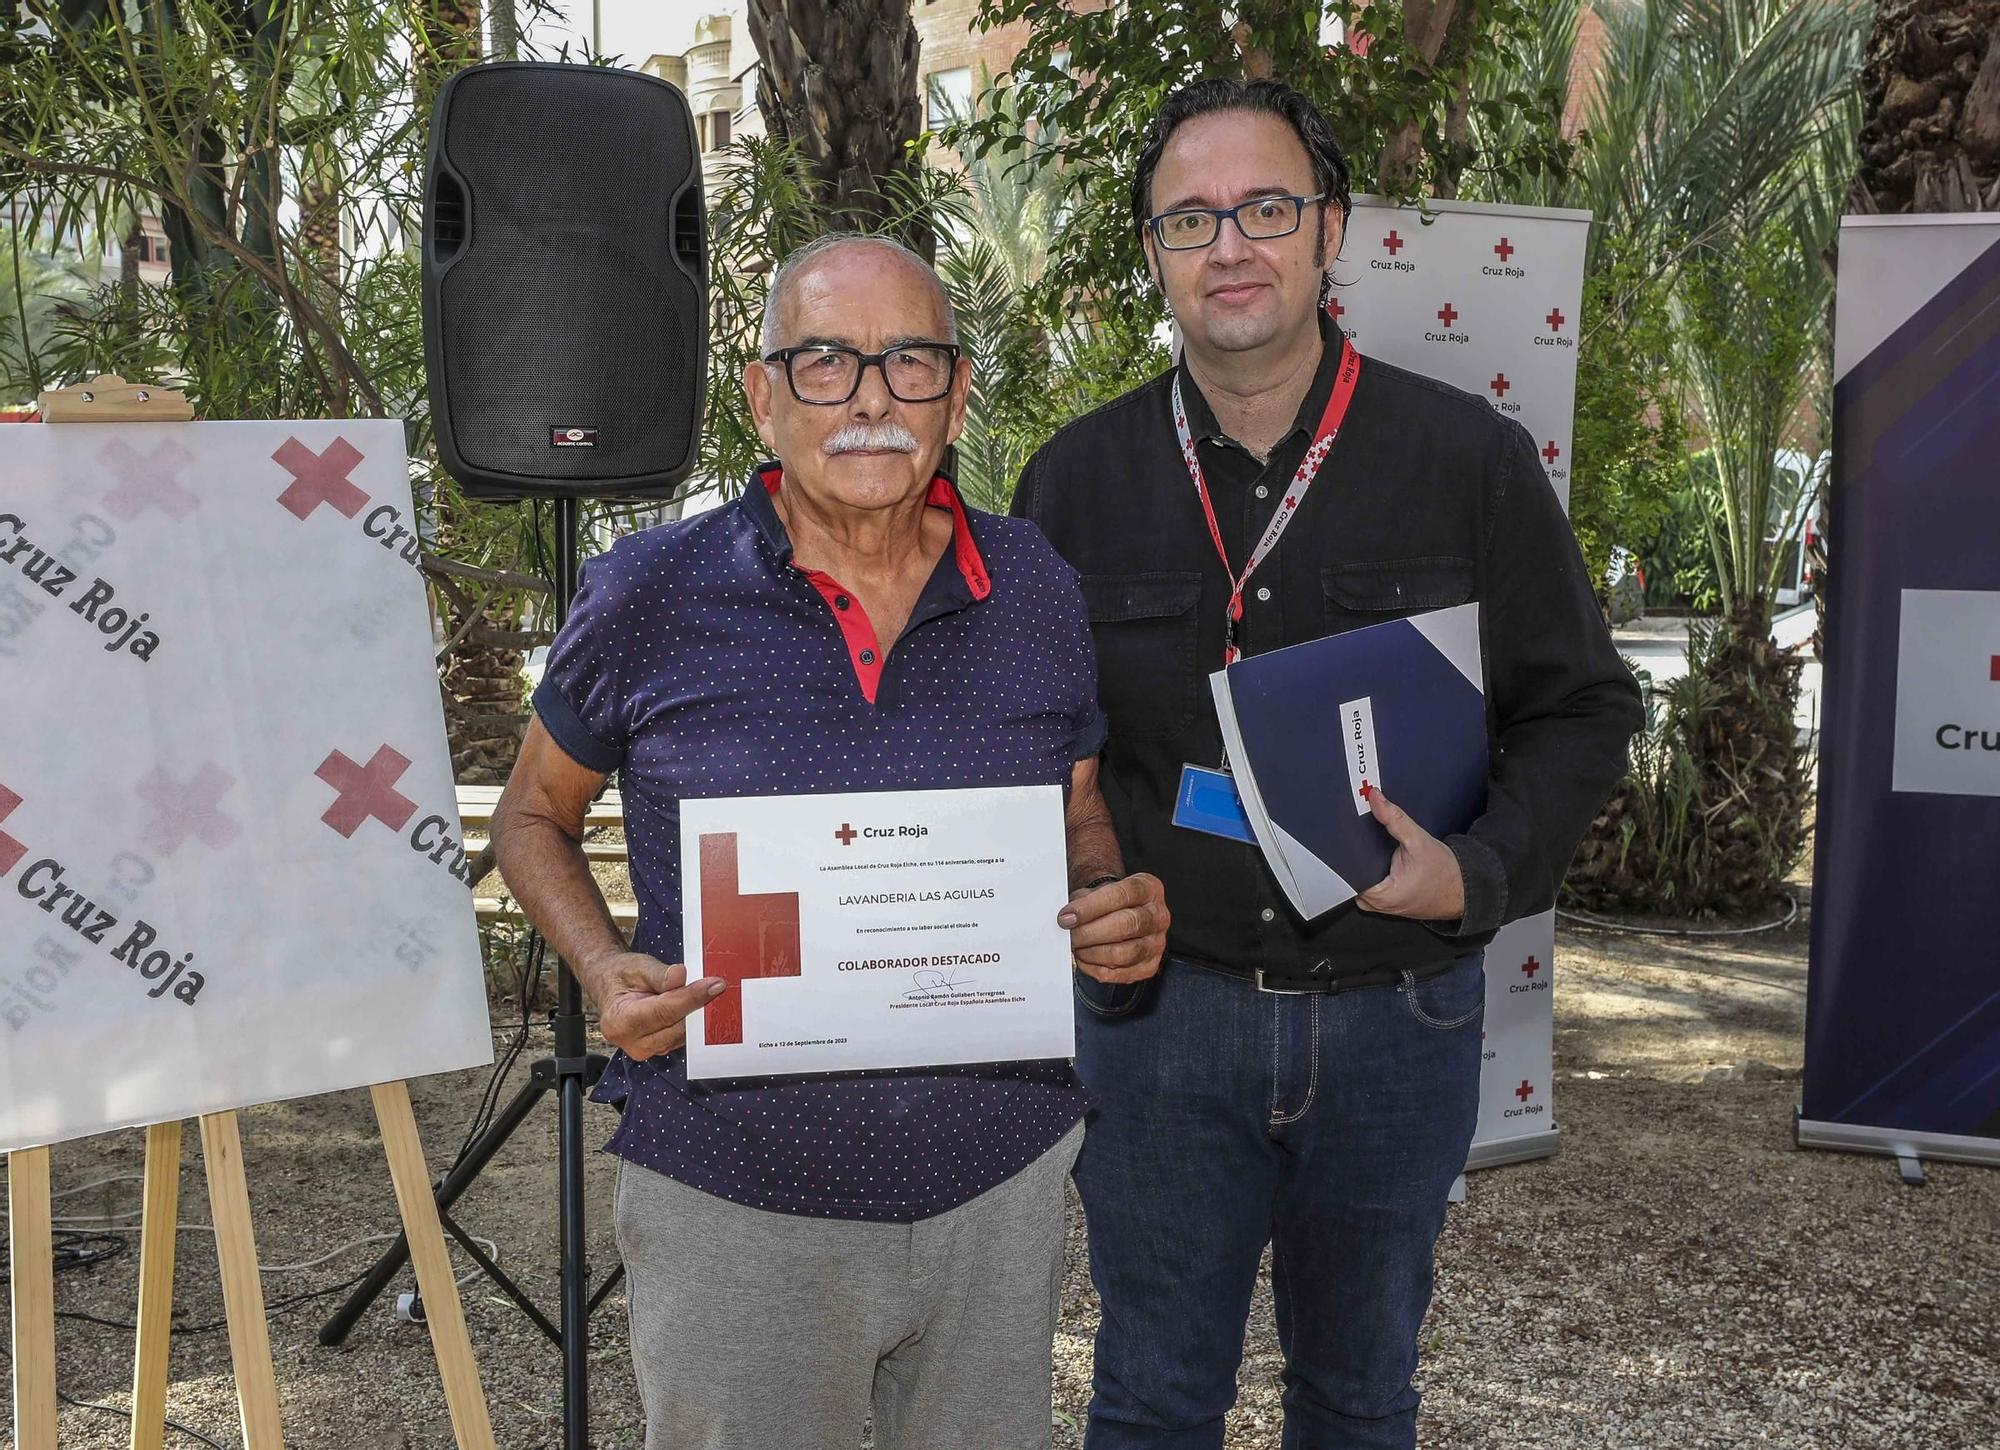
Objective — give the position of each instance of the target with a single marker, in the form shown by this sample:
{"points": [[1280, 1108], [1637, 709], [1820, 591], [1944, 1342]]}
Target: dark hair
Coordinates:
{"points": [[1272, 98]]}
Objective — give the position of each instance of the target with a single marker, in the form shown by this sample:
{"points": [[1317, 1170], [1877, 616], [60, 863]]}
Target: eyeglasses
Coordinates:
{"points": [[1259, 219], [827, 373]]}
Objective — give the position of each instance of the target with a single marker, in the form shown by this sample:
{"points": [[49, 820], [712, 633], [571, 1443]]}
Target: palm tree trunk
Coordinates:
{"points": [[839, 80], [1931, 140]]}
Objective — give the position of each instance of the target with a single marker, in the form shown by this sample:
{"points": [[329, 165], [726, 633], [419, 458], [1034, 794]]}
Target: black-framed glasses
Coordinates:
{"points": [[828, 373], [1259, 219]]}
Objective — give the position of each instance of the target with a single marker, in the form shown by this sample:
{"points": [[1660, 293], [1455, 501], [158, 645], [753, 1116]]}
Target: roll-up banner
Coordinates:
{"points": [[1486, 298], [1903, 998]]}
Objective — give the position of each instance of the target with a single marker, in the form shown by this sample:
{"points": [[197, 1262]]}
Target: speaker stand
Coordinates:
{"points": [[569, 1075]]}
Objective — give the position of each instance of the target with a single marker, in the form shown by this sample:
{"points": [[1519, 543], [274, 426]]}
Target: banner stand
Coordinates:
{"points": [[30, 1229]]}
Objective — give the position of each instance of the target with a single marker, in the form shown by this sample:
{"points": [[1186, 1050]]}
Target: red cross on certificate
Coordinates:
{"points": [[742, 937]]}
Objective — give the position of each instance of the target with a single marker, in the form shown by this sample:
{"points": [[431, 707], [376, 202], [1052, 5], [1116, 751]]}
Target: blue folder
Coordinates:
{"points": [[1400, 705]]}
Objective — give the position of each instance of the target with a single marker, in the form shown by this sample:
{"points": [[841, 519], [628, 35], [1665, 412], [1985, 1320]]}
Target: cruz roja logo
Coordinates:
{"points": [[123, 628], [847, 835], [43, 883], [1948, 693], [366, 792], [1527, 1109], [1447, 314], [1504, 250], [322, 478]]}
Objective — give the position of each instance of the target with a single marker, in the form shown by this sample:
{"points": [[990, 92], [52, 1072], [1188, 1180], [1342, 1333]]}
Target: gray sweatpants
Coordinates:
{"points": [[768, 1331]]}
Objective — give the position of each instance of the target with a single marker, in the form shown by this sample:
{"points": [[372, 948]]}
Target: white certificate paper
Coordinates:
{"points": [[880, 930]]}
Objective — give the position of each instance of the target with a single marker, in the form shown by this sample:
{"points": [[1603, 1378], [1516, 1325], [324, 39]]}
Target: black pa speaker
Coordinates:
{"points": [[564, 273]]}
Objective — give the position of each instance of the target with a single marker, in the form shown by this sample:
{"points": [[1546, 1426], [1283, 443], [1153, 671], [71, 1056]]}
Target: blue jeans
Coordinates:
{"points": [[1330, 1127]]}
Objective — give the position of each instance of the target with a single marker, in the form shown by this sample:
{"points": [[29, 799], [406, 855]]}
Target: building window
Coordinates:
{"points": [[150, 248], [949, 93], [718, 130]]}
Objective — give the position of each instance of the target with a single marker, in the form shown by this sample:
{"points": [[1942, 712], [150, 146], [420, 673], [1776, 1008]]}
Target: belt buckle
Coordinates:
{"points": [[1257, 977]]}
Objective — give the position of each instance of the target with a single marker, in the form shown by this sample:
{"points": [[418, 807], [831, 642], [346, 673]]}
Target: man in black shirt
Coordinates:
{"points": [[1311, 1085]]}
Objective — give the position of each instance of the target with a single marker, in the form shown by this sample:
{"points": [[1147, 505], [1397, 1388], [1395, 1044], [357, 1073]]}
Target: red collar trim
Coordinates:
{"points": [[943, 494]]}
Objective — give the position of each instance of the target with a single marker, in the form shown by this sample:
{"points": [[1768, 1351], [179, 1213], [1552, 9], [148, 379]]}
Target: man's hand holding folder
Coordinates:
{"points": [[1424, 881]]}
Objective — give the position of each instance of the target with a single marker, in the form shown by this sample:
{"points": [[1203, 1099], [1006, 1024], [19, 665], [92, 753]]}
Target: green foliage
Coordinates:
{"points": [[1724, 141], [1752, 324], [1679, 565], [1092, 79], [1629, 441], [39, 287]]}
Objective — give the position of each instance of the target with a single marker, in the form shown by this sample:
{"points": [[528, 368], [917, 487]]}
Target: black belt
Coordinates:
{"points": [[1326, 985]]}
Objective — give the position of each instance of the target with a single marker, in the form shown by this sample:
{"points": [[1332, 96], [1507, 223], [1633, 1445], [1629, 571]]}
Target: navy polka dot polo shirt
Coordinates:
{"points": [[700, 661]]}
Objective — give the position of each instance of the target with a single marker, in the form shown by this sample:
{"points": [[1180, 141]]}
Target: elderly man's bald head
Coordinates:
{"points": [[817, 252]]}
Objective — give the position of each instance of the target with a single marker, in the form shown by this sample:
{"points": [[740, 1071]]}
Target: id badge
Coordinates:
{"points": [[1208, 802]]}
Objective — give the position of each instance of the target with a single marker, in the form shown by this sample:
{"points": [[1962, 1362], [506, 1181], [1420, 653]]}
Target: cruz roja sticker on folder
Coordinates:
{"points": [[1311, 728]]}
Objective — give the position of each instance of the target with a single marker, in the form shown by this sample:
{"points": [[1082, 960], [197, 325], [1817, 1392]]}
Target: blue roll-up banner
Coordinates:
{"points": [[1903, 1005]]}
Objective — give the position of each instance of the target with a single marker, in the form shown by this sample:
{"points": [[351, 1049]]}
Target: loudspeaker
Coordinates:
{"points": [[564, 282]]}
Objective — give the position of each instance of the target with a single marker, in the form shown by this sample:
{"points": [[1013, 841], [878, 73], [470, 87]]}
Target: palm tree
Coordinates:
{"points": [[839, 82], [1719, 139]]}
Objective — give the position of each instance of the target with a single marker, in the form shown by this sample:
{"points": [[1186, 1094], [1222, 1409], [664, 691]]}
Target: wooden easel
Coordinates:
{"points": [[108, 399]]}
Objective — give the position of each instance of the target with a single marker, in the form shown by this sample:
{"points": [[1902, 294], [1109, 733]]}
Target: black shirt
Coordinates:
{"points": [[1428, 499]]}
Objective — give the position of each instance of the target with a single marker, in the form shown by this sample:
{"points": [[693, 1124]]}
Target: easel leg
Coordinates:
{"points": [[446, 1316], [242, 1291], [156, 1285], [32, 1273]]}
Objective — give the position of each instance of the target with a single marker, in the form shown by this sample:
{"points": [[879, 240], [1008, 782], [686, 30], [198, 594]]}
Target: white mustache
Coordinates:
{"points": [[888, 437]]}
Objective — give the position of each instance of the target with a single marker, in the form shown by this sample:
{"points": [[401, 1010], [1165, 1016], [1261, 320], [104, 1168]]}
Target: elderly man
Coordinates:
{"points": [[802, 1250]]}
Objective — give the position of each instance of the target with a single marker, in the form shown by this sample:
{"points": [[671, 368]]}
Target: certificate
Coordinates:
{"points": [[880, 930]]}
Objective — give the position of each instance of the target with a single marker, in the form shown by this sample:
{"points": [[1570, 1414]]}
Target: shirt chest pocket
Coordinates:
{"points": [[1364, 594], [1144, 627]]}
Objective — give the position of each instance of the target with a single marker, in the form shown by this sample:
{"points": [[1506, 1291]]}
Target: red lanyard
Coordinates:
{"points": [[1302, 481]]}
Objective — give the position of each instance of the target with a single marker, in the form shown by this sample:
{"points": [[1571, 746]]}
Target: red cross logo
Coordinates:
{"points": [[186, 808], [1447, 314], [1525, 1091], [1393, 242], [1550, 453], [742, 937], [148, 482], [1334, 309], [11, 850], [1291, 501], [846, 834], [1505, 250], [1530, 967], [366, 791], [320, 478], [1554, 319], [1499, 385]]}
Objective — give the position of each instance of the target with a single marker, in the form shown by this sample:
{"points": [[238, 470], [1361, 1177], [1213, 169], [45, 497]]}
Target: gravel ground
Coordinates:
{"points": [[1679, 1276]]}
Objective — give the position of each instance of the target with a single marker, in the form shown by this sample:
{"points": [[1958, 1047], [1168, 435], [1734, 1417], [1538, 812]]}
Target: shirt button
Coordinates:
{"points": [[1262, 491], [1264, 595], [840, 601], [1268, 914], [868, 657]]}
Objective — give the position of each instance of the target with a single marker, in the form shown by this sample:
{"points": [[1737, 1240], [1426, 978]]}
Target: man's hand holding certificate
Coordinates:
{"points": [[884, 930]]}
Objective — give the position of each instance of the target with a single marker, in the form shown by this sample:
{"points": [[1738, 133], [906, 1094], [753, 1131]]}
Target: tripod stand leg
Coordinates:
{"points": [[575, 1270], [336, 1329]]}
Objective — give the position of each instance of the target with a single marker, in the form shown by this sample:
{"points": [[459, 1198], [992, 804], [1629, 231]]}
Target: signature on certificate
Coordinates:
{"points": [[933, 983]]}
